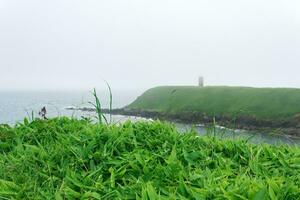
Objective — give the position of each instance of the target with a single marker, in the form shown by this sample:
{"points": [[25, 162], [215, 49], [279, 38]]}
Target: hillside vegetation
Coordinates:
{"points": [[260, 103], [76, 159]]}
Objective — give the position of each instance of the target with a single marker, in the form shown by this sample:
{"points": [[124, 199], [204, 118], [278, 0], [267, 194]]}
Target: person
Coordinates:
{"points": [[43, 113]]}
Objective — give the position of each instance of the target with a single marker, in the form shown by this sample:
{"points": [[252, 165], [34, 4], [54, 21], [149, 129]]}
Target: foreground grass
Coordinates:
{"points": [[260, 103], [75, 159]]}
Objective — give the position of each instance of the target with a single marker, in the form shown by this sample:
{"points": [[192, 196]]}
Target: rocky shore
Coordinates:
{"points": [[287, 127]]}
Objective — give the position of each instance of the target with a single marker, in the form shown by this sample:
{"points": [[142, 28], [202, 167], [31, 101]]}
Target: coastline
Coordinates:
{"points": [[282, 127]]}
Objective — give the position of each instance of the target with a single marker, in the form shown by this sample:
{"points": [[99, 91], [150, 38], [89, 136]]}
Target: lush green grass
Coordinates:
{"points": [[261, 103], [71, 159]]}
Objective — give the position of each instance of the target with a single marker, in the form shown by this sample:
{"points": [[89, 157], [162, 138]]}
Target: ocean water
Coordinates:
{"points": [[16, 105]]}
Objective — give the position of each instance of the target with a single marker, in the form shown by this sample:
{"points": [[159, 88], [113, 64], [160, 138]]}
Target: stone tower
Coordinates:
{"points": [[201, 81]]}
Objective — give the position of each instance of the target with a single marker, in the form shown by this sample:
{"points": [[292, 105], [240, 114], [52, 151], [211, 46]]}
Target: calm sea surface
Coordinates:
{"points": [[15, 105]]}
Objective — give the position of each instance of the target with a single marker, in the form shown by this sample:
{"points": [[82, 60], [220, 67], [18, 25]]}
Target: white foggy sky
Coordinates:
{"points": [[69, 44]]}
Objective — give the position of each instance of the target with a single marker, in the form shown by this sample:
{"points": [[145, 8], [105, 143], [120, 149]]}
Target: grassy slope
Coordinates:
{"points": [[267, 103], [70, 159]]}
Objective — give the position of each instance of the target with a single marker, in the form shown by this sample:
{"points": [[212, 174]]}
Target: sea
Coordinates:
{"points": [[17, 105]]}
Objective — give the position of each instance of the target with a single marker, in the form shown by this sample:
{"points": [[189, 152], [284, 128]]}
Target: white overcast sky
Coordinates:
{"points": [[137, 44]]}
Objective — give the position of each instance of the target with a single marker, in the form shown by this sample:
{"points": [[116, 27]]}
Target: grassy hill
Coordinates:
{"points": [[76, 159], [261, 103]]}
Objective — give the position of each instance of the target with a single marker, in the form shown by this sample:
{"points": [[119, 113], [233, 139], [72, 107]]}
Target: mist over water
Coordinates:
{"points": [[141, 44]]}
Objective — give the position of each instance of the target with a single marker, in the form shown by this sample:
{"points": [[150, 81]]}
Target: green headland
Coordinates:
{"points": [[262, 103], [269, 107]]}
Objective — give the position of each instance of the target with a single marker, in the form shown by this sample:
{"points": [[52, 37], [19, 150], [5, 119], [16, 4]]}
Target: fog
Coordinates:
{"points": [[136, 44]]}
